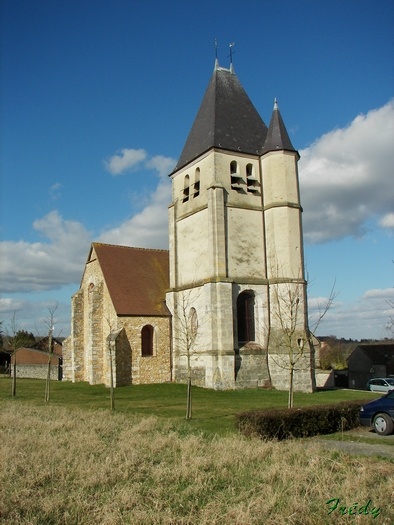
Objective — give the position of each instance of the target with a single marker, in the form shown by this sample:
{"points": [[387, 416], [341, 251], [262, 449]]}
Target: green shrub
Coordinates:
{"points": [[300, 422]]}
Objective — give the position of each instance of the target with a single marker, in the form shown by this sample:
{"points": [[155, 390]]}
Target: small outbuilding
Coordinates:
{"points": [[368, 361], [32, 362]]}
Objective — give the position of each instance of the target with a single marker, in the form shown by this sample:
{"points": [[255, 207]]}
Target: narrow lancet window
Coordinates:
{"points": [[186, 188], [196, 188], [245, 318], [147, 340]]}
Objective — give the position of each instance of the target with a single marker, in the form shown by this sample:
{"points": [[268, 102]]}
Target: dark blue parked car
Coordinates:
{"points": [[379, 414]]}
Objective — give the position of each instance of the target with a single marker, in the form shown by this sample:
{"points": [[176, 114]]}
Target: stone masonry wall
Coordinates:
{"points": [[149, 369], [73, 346], [280, 373], [123, 360], [36, 371]]}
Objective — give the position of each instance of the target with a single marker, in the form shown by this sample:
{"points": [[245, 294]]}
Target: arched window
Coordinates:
{"points": [[236, 179], [186, 188], [147, 340], [193, 324], [90, 291], [245, 318], [251, 181], [196, 183]]}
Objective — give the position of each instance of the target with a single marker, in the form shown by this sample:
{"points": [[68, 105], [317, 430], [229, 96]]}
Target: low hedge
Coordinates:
{"points": [[300, 422]]}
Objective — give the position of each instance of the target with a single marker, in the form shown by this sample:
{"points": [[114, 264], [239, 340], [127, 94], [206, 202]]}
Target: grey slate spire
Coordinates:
{"points": [[277, 136], [226, 120]]}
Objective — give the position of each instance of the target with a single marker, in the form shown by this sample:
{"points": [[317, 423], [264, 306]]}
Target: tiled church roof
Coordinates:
{"points": [[137, 278]]}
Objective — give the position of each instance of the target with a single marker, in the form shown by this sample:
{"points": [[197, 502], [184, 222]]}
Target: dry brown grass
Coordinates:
{"points": [[81, 467]]}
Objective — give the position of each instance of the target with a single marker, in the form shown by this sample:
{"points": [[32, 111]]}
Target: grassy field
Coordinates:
{"points": [[73, 461], [70, 466], [213, 411]]}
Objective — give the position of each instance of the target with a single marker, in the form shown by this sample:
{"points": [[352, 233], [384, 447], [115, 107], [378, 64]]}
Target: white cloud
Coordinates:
{"points": [[149, 228], [54, 191], [387, 221], [27, 267], [125, 160], [163, 165], [31, 315], [363, 319], [59, 259], [346, 177]]}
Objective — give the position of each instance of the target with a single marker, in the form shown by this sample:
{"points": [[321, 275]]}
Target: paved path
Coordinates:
{"points": [[362, 448], [365, 449]]}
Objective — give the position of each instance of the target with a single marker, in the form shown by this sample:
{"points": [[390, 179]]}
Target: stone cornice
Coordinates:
{"points": [[283, 204]]}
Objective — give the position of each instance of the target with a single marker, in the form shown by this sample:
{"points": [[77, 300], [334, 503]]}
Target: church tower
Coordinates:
{"points": [[234, 229]]}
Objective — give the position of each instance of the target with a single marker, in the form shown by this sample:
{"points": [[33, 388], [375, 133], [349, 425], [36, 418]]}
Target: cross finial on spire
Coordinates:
{"points": [[231, 57], [216, 53]]}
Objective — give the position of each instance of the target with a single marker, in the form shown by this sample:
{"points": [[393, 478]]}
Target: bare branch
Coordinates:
{"points": [[322, 312]]}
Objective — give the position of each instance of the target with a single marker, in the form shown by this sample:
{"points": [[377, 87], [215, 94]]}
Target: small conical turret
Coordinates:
{"points": [[277, 136]]}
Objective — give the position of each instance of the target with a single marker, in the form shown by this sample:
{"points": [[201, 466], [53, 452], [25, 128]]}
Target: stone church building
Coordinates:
{"points": [[227, 302]]}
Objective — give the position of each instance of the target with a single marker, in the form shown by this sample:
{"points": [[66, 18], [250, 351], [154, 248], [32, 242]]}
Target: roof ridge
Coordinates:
{"points": [[129, 247]]}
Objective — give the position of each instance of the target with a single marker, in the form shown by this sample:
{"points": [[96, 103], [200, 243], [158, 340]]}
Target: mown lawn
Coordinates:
{"points": [[213, 411]]}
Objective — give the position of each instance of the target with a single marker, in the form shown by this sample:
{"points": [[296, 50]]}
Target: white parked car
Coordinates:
{"points": [[379, 384]]}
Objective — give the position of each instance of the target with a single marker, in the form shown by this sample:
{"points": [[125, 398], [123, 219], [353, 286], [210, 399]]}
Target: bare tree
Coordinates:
{"points": [[322, 309], [110, 344], [290, 334], [16, 339], [185, 334], [50, 322], [390, 324]]}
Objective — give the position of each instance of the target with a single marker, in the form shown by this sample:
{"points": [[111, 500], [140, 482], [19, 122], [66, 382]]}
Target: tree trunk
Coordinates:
{"points": [[291, 388], [111, 391], [48, 380], [189, 398], [14, 377]]}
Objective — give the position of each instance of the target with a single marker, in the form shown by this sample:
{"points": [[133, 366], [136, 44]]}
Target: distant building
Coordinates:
{"points": [[369, 361], [32, 362], [235, 255]]}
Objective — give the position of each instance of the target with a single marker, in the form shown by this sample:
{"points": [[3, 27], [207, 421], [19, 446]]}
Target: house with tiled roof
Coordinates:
{"points": [[32, 361], [369, 361], [216, 305]]}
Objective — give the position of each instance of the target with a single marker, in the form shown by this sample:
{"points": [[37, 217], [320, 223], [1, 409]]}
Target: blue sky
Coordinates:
{"points": [[97, 99]]}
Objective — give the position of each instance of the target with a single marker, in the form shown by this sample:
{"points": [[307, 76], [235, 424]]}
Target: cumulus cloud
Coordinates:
{"points": [[59, 259], [364, 318], [346, 178], [32, 315], [27, 267], [163, 165], [125, 160], [387, 221], [149, 228]]}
